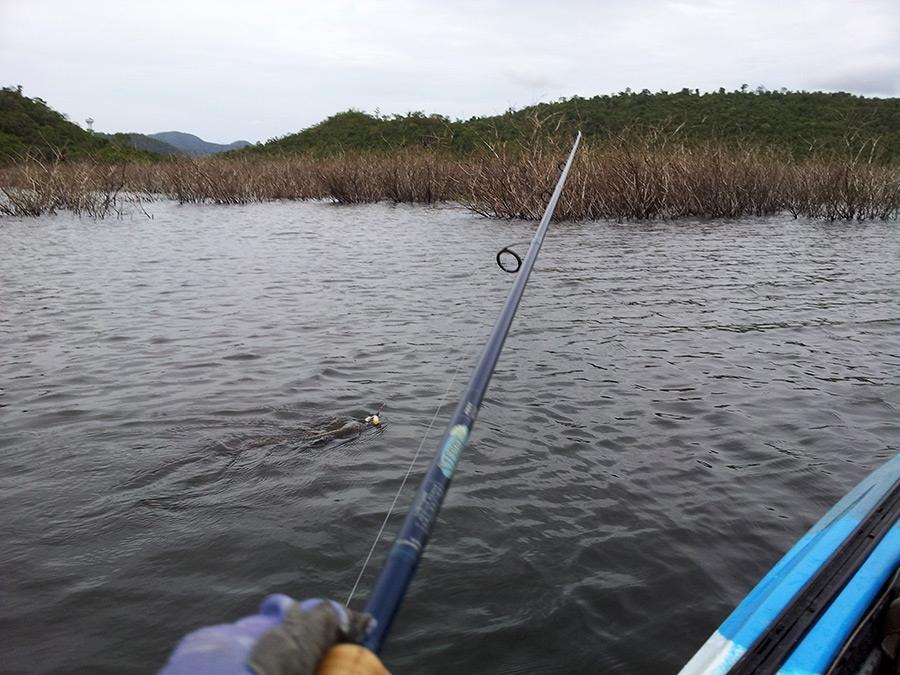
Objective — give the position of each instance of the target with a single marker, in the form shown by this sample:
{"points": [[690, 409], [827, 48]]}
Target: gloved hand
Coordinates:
{"points": [[286, 638]]}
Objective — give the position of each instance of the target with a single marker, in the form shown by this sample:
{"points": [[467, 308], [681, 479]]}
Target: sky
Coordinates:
{"points": [[255, 70]]}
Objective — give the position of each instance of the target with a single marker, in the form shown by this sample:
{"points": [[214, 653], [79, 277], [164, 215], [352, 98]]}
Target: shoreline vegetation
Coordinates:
{"points": [[645, 157], [631, 180]]}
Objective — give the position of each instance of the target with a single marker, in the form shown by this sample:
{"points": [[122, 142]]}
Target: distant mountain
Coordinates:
{"points": [[194, 145], [28, 126], [172, 143], [142, 142]]}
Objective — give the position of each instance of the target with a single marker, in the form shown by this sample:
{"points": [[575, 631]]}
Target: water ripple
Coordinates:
{"points": [[674, 406]]}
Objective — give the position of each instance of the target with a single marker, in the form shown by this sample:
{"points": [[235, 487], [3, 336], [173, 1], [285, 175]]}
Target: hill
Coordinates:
{"points": [[29, 125], [355, 131], [194, 145], [142, 142], [169, 143], [802, 123]]}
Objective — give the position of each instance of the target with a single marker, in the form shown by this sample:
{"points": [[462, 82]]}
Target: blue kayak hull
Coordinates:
{"points": [[769, 599]]}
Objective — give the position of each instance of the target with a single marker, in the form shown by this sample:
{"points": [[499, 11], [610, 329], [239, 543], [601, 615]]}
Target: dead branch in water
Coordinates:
{"points": [[628, 178]]}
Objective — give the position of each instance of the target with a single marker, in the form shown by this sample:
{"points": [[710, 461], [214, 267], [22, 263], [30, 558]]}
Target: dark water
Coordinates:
{"points": [[675, 405]]}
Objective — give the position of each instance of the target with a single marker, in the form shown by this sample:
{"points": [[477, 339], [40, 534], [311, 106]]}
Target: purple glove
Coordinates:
{"points": [[285, 637]]}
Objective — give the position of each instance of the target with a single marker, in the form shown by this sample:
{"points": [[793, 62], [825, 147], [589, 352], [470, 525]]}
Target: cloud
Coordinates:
{"points": [[876, 77], [527, 78], [215, 67]]}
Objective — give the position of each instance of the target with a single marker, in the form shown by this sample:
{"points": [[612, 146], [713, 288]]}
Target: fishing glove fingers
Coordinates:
{"points": [[286, 638], [305, 632]]}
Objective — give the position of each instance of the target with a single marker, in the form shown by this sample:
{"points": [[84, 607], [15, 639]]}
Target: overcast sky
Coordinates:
{"points": [[258, 69]]}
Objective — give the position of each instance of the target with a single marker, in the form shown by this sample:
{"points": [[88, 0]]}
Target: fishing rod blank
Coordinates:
{"points": [[390, 588]]}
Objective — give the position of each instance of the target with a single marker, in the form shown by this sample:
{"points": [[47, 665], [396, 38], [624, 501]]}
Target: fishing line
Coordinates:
{"points": [[409, 469], [505, 250]]}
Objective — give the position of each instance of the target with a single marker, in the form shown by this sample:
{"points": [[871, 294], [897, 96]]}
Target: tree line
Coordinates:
{"points": [[799, 124]]}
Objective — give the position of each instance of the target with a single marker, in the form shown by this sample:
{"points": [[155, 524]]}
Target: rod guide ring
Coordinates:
{"points": [[507, 249]]}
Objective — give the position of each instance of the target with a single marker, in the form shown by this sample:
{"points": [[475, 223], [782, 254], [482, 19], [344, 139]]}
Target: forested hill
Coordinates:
{"points": [[800, 122], [28, 126]]}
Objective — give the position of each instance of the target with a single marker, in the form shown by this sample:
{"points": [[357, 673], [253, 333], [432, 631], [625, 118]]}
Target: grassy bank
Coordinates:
{"points": [[627, 181]]}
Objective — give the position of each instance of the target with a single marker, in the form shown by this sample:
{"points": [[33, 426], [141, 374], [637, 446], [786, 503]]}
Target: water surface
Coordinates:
{"points": [[675, 405]]}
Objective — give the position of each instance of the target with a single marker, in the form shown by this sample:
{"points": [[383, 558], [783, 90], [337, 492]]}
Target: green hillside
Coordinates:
{"points": [[354, 131], [800, 122], [29, 125]]}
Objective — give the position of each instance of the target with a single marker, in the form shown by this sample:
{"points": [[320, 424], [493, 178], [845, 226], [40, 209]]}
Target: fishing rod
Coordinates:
{"points": [[409, 546]]}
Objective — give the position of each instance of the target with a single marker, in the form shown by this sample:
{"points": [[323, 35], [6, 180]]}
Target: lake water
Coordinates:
{"points": [[675, 405]]}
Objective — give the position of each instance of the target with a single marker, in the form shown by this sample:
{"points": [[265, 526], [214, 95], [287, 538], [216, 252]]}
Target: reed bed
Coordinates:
{"points": [[625, 181], [92, 189], [627, 184]]}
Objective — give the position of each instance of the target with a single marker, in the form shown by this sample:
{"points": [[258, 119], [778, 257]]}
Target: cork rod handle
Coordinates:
{"points": [[350, 659]]}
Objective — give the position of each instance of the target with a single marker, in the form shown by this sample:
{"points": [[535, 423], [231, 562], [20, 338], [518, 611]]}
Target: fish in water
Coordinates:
{"points": [[338, 428]]}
